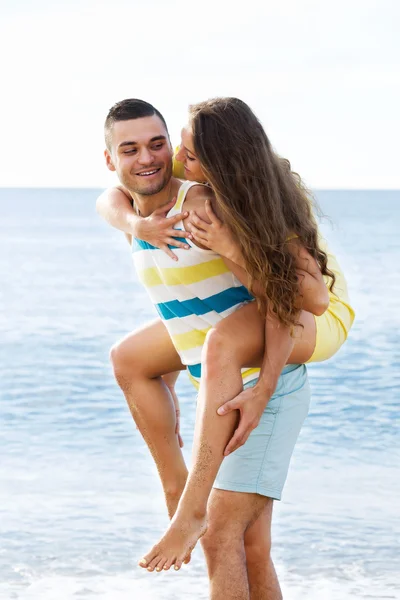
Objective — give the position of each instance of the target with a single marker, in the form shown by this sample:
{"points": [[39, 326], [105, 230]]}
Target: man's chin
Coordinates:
{"points": [[150, 190]]}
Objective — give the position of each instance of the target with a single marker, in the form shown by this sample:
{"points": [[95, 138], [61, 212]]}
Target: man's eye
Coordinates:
{"points": [[158, 146], [131, 151]]}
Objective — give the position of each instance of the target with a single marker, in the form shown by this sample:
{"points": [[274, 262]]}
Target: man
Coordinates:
{"points": [[237, 544]]}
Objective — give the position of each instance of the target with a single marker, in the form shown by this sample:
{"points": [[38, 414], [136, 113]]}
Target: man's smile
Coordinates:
{"points": [[149, 172]]}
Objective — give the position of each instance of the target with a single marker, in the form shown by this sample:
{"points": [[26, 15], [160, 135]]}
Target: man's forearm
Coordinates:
{"points": [[117, 209]]}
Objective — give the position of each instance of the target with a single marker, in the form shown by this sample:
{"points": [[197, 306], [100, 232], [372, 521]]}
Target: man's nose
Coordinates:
{"points": [[145, 157]]}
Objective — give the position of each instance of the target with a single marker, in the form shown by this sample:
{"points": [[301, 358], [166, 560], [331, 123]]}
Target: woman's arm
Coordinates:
{"points": [[115, 205], [313, 292]]}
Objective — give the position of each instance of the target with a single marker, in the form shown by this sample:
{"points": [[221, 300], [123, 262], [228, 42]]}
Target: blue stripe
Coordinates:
{"points": [[218, 303], [195, 370], [142, 245]]}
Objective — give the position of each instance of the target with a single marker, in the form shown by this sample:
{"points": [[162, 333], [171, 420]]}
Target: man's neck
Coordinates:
{"points": [[145, 205]]}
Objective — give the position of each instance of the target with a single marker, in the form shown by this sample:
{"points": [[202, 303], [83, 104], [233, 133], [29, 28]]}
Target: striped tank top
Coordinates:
{"points": [[191, 295]]}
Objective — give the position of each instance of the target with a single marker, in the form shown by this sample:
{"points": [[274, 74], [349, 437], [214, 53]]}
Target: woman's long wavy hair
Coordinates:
{"points": [[259, 197]]}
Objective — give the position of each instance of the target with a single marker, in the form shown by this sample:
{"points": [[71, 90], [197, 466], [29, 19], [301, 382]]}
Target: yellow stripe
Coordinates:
{"points": [[181, 198], [250, 372], [183, 275], [193, 380], [191, 339]]}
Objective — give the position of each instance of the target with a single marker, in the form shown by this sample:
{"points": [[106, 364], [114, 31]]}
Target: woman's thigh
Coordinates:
{"points": [[147, 351], [244, 333]]}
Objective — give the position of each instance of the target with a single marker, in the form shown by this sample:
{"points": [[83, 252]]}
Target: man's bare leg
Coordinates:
{"points": [[139, 360], [236, 341], [231, 515], [263, 581]]}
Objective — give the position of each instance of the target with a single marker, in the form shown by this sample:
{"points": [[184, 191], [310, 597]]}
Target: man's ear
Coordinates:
{"points": [[109, 162]]}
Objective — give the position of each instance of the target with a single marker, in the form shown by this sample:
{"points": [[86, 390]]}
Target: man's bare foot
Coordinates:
{"points": [[176, 545]]}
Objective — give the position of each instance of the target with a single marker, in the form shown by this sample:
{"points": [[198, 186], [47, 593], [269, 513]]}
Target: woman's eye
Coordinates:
{"points": [[190, 157]]}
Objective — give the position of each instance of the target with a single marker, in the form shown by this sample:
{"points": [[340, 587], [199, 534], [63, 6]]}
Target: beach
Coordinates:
{"points": [[80, 499]]}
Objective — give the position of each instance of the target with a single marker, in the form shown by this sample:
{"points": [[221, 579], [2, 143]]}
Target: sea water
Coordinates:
{"points": [[80, 499]]}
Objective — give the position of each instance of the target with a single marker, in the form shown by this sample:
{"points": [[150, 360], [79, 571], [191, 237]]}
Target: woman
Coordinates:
{"points": [[268, 218]]}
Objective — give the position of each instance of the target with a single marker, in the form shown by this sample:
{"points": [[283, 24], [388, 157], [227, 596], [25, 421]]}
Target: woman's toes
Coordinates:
{"points": [[153, 564], [161, 565], [178, 564]]}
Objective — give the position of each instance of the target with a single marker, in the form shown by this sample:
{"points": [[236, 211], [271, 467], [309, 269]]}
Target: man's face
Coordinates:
{"points": [[141, 154]]}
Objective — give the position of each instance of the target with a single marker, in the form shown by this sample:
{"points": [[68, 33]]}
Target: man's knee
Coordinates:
{"points": [[217, 545], [257, 552]]}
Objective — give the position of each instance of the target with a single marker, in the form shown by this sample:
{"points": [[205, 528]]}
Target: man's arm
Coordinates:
{"points": [[115, 205]]}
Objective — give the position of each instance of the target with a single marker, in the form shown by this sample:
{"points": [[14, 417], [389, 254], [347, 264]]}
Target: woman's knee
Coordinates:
{"points": [[219, 348], [125, 357]]}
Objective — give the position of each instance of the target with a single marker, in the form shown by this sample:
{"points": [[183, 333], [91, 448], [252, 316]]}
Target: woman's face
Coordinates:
{"points": [[186, 155]]}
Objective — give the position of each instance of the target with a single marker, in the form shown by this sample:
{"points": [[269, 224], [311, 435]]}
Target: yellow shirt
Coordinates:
{"points": [[178, 169]]}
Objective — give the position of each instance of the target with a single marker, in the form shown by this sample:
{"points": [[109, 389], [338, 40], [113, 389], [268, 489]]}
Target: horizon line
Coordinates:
{"points": [[320, 189]]}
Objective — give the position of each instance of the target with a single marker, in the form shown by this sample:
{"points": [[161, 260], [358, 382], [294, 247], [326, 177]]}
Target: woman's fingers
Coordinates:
{"points": [[199, 234], [199, 222], [211, 214]]}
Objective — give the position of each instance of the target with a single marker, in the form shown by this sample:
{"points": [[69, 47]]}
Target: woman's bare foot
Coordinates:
{"points": [[172, 501], [177, 543]]}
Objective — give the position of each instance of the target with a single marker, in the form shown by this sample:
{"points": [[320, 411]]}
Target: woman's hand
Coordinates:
{"points": [[251, 404], [158, 229], [214, 235]]}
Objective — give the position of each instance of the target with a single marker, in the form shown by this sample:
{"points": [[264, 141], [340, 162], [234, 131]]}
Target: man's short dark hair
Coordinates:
{"points": [[132, 108]]}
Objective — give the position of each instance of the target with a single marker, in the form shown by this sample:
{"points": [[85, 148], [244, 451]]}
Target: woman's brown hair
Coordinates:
{"points": [[259, 197]]}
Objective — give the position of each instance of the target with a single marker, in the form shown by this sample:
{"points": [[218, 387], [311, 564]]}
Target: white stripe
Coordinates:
{"points": [[201, 289], [191, 322], [191, 356], [144, 259]]}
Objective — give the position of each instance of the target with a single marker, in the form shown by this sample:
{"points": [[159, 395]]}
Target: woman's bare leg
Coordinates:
{"points": [[238, 340], [139, 360]]}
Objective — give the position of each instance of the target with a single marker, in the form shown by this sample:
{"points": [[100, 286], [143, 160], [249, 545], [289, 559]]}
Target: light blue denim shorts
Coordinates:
{"points": [[261, 465]]}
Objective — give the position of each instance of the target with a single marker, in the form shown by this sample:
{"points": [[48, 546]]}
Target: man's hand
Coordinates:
{"points": [[251, 404], [158, 230]]}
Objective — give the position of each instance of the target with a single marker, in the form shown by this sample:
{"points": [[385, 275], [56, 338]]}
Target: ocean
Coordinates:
{"points": [[80, 499]]}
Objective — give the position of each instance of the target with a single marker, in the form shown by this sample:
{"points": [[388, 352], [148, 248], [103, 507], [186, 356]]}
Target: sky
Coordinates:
{"points": [[323, 77]]}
